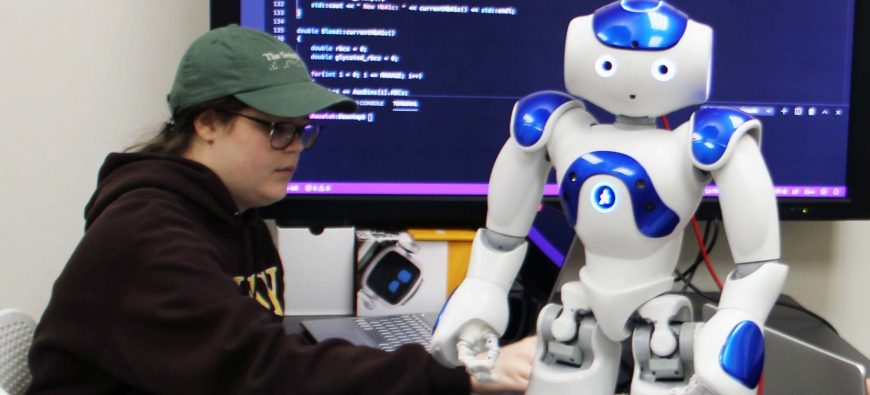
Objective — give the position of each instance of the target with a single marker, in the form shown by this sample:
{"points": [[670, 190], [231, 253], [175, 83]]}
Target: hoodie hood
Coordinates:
{"points": [[122, 173]]}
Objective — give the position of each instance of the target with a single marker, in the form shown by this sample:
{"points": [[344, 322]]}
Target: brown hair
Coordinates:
{"points": [[176, 134]]}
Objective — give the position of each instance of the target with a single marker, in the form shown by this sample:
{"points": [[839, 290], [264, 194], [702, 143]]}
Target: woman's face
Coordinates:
{"points": [[241, 154]]}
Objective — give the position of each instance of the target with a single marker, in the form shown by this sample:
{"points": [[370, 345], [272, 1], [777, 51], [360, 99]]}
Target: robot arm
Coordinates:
{"points": [[752, 224], [478, 309], [477, 312], [729, 354]]}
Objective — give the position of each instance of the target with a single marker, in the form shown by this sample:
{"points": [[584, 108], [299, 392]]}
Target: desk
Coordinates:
{"points": [[800, 376]]}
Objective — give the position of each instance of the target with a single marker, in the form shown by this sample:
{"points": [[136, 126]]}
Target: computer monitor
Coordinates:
{"points": [[436, 82]]}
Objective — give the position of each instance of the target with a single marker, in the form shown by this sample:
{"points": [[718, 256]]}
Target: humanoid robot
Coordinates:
{"points": [[628, 189]]}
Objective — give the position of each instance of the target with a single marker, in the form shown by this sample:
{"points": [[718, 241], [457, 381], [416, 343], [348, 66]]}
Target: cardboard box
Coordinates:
{"points": [[318, 270], [410, 271]]}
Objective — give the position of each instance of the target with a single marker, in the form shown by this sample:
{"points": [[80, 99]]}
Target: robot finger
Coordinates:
{"points": [[469, 355], [479, 356], [491, 347]]}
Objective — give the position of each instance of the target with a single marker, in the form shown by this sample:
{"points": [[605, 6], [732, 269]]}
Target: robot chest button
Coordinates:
{"points": [[652, 217]]}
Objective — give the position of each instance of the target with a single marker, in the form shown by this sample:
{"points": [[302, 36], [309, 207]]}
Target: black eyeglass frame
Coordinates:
{"points": [[297, 131]]}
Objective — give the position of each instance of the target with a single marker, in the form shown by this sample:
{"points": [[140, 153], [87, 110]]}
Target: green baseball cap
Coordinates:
{"points": [[256, 68]]}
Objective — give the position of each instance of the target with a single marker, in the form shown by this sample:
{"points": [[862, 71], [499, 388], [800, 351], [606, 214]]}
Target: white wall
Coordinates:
{"points": [[78, 79], [81, 78]]}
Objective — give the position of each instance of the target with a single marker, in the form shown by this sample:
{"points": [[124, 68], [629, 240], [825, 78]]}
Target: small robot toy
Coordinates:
{"points": [[628, 189]]}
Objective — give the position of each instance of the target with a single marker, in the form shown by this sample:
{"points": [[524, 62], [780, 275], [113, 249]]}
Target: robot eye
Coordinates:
{"points": [[663, 70], [605, 66]]}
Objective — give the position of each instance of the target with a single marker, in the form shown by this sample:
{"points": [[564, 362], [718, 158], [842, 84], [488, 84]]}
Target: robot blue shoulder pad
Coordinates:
{"points": [[714, 129], [531, 114], [639, 24]]}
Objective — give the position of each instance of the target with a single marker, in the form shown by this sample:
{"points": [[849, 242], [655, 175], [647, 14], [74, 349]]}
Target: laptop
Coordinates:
{"points": [[795, 366], [384, 332]]}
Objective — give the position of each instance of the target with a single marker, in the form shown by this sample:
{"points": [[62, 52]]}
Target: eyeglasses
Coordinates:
{"points": [[282, 134]]}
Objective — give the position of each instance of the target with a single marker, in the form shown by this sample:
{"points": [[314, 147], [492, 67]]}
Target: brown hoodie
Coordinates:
{"points": [[171, 291]]}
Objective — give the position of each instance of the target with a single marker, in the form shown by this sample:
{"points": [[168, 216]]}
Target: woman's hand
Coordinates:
{"points": [[512, 369]]}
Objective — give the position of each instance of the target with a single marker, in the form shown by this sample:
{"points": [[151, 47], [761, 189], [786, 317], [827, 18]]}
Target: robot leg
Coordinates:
{"points": [[663, 348], [573, 355]]}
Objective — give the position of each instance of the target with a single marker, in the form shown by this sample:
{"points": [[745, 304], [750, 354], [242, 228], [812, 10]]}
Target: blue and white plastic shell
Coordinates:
{"points": [[531, 114], [639, 24], [742, 355], [714, 131], [652, 216]]}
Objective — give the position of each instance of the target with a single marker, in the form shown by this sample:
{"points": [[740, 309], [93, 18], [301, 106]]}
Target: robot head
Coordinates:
{"points": [[638, 58]]}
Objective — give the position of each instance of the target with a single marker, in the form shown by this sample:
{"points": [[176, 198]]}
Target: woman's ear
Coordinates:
{"points": [[207, 126]]}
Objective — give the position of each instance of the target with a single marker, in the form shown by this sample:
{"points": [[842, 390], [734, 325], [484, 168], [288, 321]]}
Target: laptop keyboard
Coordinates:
{"points": [[390, 332]]}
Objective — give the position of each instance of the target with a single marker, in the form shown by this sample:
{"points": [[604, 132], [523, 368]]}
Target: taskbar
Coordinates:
{"points": [[481, 189]]}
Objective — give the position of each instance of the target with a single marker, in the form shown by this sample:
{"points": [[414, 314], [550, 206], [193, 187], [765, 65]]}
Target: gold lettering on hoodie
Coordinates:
{"points": [[263, 287]]}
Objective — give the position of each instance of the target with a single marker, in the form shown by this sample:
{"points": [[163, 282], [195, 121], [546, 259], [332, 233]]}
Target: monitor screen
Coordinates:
{"points": [[436, 82]]}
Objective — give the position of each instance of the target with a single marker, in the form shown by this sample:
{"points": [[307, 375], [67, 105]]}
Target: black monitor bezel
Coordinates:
{"points": [[395, 212]]}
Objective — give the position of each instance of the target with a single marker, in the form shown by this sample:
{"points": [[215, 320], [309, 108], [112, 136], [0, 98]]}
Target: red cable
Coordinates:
{"points": [[761, 385], [665, 122]]}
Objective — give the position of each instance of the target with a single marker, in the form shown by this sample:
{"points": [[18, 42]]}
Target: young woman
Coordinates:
{"points": [[176, 286]]}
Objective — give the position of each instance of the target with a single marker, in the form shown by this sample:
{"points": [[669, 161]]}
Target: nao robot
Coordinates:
{"points": [[628, 189]]}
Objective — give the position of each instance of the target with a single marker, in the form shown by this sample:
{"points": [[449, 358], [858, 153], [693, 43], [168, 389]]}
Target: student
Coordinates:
{"points": [[176, 286]]}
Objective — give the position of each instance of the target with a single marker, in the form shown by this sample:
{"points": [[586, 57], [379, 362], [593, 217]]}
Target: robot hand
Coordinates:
{"points": [[476, 340], [470, 324], [729, 353], [729, 350], [477, 312]]}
